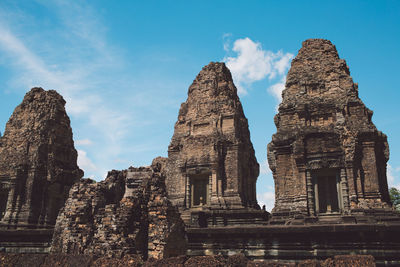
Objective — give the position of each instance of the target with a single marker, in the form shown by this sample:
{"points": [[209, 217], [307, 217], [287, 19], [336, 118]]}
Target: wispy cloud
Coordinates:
{"points": [[276, 90], [84, 142], [264, 167], [283, 64], [252, 63], [393, 176], [77, 72], [23, 57], [226, 41], [84, 162]]}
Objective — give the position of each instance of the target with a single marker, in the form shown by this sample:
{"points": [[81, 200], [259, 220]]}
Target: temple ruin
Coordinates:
{"points": [[127, 213], [211, 160], [38, 162], [327, 156]]}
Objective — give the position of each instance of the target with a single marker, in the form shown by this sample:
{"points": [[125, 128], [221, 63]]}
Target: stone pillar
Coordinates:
{"points": [[359, 184], [210, 191], [344, 190], [310, 193], [351, 183], [187, 196], [219, 187], [215, 188], [233, 180], [214, 184], [10, 201], [369, 164]]}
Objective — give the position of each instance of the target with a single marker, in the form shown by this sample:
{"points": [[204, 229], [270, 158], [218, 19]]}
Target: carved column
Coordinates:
{"points": [[351, 184], [344, 190], [187, 196], [210, 191], [214, 184], [310, 193], [371, 177], [10, 199]]}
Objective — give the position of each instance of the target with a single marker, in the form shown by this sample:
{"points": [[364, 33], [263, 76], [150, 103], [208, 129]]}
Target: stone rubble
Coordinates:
{"points": [[127, 213]]}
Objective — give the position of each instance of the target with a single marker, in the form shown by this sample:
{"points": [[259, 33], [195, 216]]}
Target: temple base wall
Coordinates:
{"points": [[297, 243], [25, 241]]}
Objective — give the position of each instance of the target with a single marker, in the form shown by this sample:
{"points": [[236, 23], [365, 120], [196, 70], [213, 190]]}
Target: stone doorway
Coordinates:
{"points": [[327, 191], [199, 190]]}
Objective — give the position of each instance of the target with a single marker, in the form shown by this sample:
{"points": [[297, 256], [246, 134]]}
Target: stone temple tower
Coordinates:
{"points": [[327, 157], [38, 162], [211, 161]]}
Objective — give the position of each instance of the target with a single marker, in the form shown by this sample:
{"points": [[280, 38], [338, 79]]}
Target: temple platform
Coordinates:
{"points": [[25, 241], [220, 218], [293, 243]]}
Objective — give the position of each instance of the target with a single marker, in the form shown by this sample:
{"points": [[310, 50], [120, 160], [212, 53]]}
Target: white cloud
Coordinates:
{"points": [[77, 71], [283, 64], [226, 38], [85, 163], [392, 174], [276, 90], [253, 63], [267, 199], [264, 167], [84, 142], [22, 55]]}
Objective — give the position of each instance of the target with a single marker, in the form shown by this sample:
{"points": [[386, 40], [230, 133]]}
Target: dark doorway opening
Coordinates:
{"points": [[327, 191], [199, 189]]}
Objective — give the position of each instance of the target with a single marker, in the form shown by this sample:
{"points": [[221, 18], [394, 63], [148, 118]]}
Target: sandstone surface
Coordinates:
{"points": [[327, 157], [211, 161], [38, 162], [127, 213]]}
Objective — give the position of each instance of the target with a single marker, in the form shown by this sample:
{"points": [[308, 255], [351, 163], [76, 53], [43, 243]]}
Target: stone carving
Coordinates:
{"points": [[211, 161], [327, 156], [127, 213], [37, 162]]}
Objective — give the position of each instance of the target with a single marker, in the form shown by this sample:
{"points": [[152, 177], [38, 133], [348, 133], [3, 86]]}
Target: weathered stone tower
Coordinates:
{"points": [[38, 162], [211, 158], [327, 156]]}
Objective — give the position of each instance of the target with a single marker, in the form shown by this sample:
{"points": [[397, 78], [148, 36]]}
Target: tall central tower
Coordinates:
{"points": [[211, 161]]}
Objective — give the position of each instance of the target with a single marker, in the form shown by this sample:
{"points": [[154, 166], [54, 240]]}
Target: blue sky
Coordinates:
{"points": [[124, 66]]}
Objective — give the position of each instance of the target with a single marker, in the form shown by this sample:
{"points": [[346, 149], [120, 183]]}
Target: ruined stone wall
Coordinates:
{"points": [[166, 232], [127, 213], [211, 140], [323, 126], [38, 161]]}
